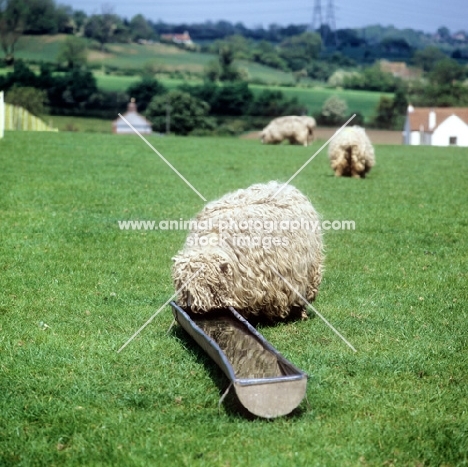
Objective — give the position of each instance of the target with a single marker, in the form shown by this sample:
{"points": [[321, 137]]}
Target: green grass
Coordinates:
{"points": [[121, 83], [395, 287], [313, 98], [167, 58], [82, 124]]}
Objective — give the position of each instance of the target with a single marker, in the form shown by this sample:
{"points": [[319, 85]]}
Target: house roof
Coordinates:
{"points": [[419, 116], [185, 37]]}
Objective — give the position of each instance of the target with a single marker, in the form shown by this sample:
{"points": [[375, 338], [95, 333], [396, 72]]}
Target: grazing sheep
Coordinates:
{"points": [[295, 129], [351, 153], [238, 239]]}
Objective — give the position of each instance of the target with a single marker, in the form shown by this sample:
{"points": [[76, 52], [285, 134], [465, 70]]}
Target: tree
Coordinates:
{"points": [[445, 88], [143, 92], [31, 99], [79, 18], [102, 27], [223, 69], [74, 52], [267, 54], [12, 23], [72, 90], [140, 28], [447, 71], [186, 113], [229, 71], [444, 33], [390, 111], [212, 71], [41, 17], [20, 76], [385, 113], [273, 104], [233, 98], [334, 111], [300, 50], [427, 58]]}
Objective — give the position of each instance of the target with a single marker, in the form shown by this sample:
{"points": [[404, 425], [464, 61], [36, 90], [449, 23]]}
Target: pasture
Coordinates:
{"points": [[75, 288], [166, 58]]}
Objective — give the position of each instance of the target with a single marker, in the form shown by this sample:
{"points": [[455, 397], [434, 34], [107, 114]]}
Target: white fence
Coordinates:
{"points": [[13, 117]]}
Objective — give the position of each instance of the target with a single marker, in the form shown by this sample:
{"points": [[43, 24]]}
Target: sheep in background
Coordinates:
{"points": [[351, 153], [242, 240], [295, 129]]}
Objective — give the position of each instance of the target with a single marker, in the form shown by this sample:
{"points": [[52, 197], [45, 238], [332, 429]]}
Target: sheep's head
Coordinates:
{"points": [[204, 279]]}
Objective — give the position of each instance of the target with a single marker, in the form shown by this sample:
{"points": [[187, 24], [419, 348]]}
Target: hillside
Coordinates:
{"points": [[129, 59]]}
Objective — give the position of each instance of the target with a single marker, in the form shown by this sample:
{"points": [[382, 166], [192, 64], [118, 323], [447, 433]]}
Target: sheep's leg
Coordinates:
{"points": [[338, 171]]}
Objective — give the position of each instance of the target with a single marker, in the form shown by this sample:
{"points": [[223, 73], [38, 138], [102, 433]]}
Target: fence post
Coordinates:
{"points": [[2, 115]]}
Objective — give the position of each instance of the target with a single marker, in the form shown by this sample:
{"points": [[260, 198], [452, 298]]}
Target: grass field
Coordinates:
{"points": [[313, 98], [75, 288], [166, 58]]}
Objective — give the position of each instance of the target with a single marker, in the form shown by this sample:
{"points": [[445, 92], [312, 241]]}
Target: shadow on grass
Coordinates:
{"points": [[231, 403]]}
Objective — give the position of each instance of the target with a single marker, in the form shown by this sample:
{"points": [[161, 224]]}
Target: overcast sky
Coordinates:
{"points": [[425, 15]]}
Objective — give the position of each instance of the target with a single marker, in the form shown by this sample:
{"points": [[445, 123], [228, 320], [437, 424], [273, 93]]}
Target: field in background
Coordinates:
{"points": [[174, 67], [75, 288], [163, 57], [364, 102]]}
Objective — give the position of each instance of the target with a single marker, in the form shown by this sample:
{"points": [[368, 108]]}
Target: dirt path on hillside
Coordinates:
{"points": [[376, 136]]}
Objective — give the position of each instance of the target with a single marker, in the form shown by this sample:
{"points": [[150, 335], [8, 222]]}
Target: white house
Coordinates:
{"points": [[442, 126], [138, 122]]}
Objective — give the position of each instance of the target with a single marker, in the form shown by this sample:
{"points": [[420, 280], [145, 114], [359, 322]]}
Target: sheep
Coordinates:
{"points": [[351, 153], [239, 245], [295, 129]]}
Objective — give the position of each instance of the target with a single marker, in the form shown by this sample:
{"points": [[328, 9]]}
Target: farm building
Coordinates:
{"points": [[183, 39], [447, 126], [121, 127]]}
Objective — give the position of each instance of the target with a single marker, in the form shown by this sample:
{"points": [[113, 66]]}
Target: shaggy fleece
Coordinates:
{"points": [[293, 128], [239, 241], [351, 153]]}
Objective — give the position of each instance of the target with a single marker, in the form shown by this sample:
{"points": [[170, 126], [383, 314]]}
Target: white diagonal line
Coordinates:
{"points": [[154, 316], [305, 164], [318, 314], [162, 157]]}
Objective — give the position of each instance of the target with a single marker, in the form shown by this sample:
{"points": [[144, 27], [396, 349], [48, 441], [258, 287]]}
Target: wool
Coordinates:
{"points": [[351, 153], [295, 129], [241, 273]]}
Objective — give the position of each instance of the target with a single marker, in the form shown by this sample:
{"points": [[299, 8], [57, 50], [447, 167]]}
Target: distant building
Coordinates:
{"points": [[183, 39], [443, 126], [121, 127], [400, 69]]}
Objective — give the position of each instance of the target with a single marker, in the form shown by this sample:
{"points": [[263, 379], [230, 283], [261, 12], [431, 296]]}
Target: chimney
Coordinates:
{"points": [[432, 120], [132, 105]]}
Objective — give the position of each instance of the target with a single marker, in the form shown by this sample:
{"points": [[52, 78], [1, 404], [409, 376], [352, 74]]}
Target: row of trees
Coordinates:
{"points": [[74, 92], [18, 17]]}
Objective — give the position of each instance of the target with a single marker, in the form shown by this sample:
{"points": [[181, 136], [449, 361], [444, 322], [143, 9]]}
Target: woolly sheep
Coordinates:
{"points": [[240, 240], [295, 129], [351, 153]]}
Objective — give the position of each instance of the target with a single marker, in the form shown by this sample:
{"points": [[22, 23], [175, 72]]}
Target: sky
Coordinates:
{"points": [[424, 15]]}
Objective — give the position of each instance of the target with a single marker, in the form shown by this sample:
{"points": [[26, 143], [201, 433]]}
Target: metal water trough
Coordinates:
{"points": [[266, 384]]}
